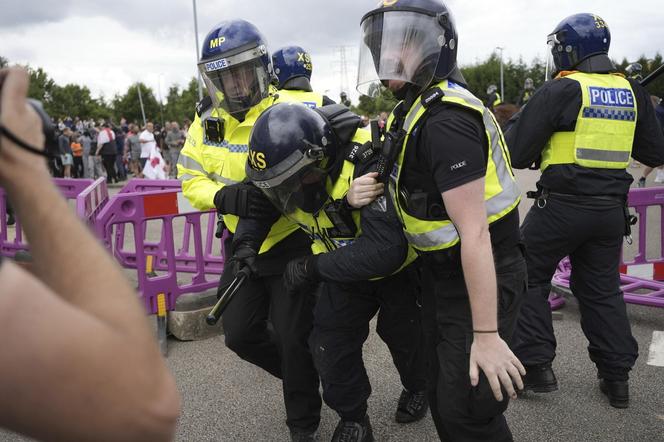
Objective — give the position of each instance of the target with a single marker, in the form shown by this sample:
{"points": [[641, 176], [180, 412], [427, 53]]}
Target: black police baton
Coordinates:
{"points": [[221, 305], [653, 75]]}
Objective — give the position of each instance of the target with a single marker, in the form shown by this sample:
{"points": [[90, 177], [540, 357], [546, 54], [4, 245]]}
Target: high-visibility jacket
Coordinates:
{"points": [[205, 166], [319, 225], [311, 99], [604, 132], [497, 100], [501, 193]]}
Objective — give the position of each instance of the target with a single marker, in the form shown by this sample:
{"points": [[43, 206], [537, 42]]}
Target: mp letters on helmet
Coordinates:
{"points": [[612, 97]]}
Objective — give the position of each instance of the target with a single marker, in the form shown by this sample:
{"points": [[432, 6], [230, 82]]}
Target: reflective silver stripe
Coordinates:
{"points": [[221, 179], [190, 163], [612, 156], [442, 235]]}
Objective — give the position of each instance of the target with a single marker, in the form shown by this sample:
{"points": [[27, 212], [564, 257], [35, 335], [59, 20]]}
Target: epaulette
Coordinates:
{"points": [[360, 153], [203, 105]]}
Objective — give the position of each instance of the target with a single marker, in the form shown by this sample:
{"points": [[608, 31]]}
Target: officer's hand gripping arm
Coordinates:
{"points": [[244, 200]]}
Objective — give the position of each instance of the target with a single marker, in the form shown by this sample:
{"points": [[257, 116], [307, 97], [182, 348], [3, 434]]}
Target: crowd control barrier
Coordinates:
{"points": [[641, 278], [89, 197], [161, 261]]}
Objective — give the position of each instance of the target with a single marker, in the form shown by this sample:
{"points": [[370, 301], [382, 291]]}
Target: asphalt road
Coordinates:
{"points": [[227, 399]]}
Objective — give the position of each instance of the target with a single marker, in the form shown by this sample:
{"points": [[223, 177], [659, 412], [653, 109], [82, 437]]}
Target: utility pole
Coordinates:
{"points": [[502, 83], [198, 73], [140, 100], [343, 67]]}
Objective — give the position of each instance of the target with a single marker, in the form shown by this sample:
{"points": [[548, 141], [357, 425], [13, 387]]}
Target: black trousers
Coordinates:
{"points": [[109, 164], [341, 325], [281, 350], [590, 232], [460, 411]]}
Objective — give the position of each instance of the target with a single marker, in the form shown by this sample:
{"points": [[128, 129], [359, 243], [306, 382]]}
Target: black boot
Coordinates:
{"points": [[303, 436], [617, 391], [540, 379], [412, 407], [350, 431], [10, 219]]}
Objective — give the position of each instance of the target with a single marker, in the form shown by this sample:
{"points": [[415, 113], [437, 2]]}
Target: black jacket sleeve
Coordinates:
{"points": [[379, 251], [250, 233], [648, 147], [553, 108]]}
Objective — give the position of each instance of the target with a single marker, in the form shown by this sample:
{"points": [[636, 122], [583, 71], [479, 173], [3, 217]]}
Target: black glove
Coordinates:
{"points": [[301, 273], [246, 201], [243, 260]]}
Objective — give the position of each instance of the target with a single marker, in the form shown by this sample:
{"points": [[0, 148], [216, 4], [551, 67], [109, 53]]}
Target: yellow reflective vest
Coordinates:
{"points": [[318, 225], [206, 166], [604, 132], [501, 193], [311, 99]]}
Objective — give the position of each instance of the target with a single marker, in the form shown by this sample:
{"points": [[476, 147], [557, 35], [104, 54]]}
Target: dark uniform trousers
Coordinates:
{"points": [[281, 350], [590, 231], [460, 411], [341, 325]]}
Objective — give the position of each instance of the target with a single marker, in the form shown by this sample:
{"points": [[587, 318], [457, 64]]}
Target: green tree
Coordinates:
{"points": [[181, 104], [3, 62], [129, 107], [379, 100]]}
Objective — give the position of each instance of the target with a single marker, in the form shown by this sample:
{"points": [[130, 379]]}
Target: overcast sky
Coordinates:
{"points": [[109, 44]]}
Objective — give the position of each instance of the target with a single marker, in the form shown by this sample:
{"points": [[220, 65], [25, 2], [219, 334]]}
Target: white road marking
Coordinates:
{"points": [[656, 352]]}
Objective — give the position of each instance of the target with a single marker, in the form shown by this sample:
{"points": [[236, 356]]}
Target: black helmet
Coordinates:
{"points": [[291, 150], [414, 41]]}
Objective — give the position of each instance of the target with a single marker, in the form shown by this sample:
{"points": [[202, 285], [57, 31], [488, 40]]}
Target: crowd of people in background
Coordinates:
{"points": [[94, 149]]}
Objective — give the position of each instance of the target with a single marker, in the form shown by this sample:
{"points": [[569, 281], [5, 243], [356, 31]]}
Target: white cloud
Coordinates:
{"points": [[109, 45]]}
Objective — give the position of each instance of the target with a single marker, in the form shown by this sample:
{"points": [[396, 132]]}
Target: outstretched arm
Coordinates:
{"points": [[84, 364]]}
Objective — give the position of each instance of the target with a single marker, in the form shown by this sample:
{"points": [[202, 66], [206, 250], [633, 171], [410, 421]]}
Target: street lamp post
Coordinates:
{"points": [[200, 88], [502, 83], [140, 100], [161, 101]]}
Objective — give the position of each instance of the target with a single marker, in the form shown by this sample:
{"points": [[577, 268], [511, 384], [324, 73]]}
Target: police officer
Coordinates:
{"points": [[493, 97], [361, 256], [293, 67], [457, 199], [526, 93], [343, 96], [581, 129], [237, 71], [634, 70]]}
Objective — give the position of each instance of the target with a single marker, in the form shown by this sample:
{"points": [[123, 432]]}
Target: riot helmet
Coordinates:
{"points": [[290, 63], [581, 42], [407, 42], [634, 71], [528, 84], [235, 66], [491, 89], [291, 150]]}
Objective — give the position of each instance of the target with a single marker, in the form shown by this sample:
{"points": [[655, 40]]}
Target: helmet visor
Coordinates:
{"points": [[402, 46], [297, 183], [236, 83]]}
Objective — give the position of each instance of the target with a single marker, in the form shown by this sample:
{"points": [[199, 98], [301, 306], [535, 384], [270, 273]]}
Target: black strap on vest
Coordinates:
{"points": [[203, 105]]}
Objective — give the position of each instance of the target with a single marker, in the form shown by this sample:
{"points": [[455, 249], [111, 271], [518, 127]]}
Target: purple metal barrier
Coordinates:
{"points": [[149, 257], [90, 201], [70, 188], [641, 279], [144, 185]]}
